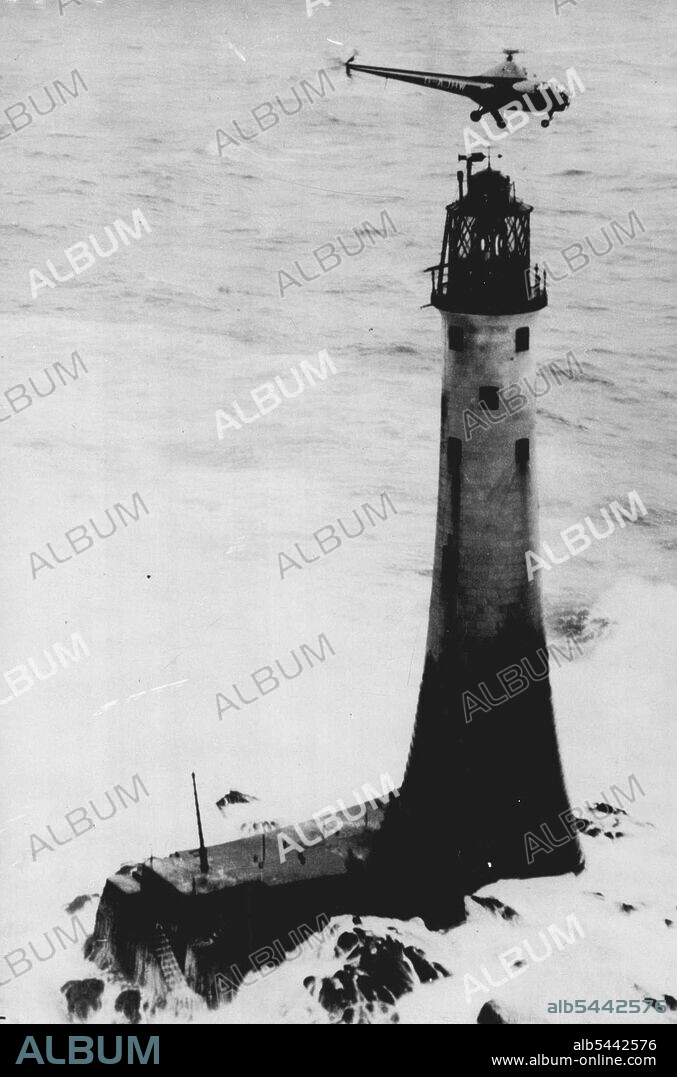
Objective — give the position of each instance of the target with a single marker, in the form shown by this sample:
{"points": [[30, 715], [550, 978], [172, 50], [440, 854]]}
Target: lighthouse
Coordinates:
{"points": [[483, 784]]}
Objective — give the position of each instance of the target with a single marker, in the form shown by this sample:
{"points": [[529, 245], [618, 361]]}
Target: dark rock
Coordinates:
{"points": [[128, 1004], [490, 1015], [499, 1013], [425, 971], [494, 905], [83, 996], [627, 908], [91, 948], [580, 625], [371, 991], [127, 869], [77, 903], [331, 994], [233, 796], [348, 978], [346, 941], [613, 820], [377, 971], [671, 1002]]}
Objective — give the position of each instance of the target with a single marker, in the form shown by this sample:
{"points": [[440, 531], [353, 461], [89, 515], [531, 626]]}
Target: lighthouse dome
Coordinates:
{"points": [[485, 258]]}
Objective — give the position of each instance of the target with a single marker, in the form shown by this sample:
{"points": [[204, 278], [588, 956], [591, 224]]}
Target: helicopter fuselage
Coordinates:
{"points": [[506, 85]]}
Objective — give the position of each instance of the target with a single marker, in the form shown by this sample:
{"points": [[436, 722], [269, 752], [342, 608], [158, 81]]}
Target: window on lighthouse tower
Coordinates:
{"points": [[489, 397], [456, 339], [522, 451], [522, 339]]}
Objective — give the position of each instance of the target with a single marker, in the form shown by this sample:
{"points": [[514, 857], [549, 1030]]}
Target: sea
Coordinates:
{"points": [[187, 319]]}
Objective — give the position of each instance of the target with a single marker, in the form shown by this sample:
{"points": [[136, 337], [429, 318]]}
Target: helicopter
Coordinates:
{"points": [[507, 83]]}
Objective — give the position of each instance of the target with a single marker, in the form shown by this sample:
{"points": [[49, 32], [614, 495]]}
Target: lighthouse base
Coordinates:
{"points": [[484, 779]]}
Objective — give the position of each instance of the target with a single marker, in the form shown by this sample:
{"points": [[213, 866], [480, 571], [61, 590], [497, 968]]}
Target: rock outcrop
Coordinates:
{"points": [[376, 971], [82, 996]]}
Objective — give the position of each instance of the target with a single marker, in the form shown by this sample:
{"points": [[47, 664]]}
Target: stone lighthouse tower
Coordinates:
{"points": [[484, 768]]}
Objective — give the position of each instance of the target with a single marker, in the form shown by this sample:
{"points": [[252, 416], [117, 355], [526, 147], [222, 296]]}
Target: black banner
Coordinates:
{"points": [[505, 1048]]}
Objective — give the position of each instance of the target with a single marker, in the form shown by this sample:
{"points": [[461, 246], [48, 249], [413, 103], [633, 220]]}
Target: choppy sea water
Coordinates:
{"points": [[189, 319]]}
